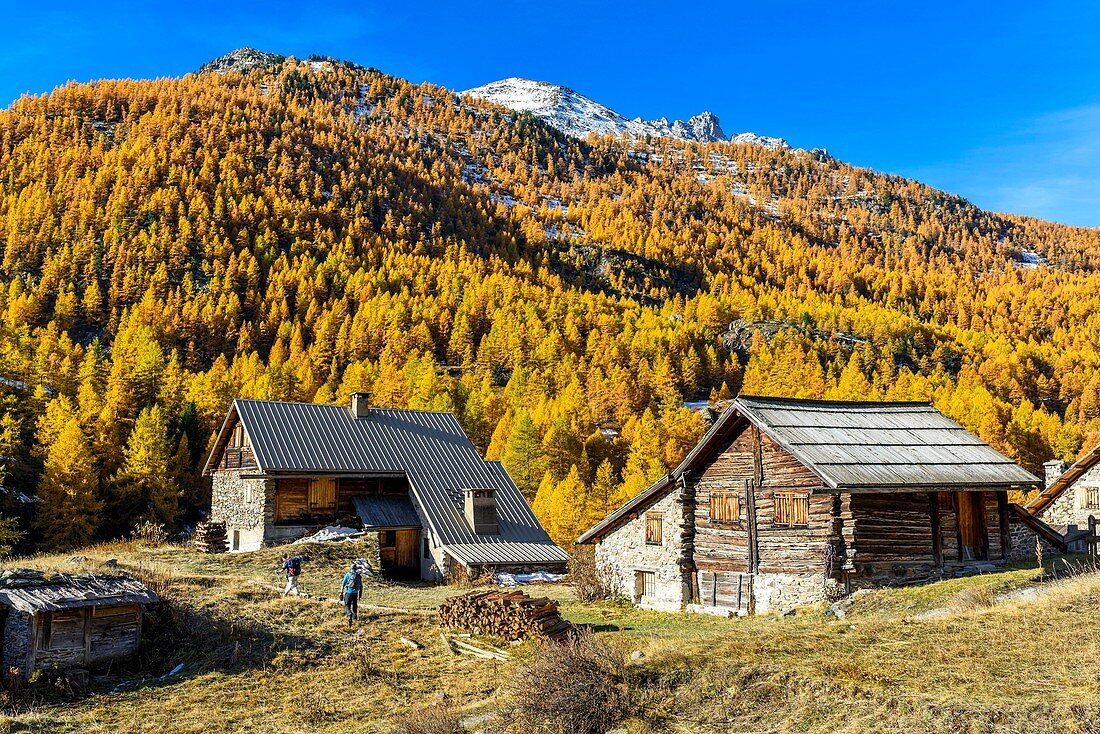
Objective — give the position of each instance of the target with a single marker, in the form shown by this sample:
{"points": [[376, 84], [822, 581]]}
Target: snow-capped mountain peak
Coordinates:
{"points": [[577, 115]]}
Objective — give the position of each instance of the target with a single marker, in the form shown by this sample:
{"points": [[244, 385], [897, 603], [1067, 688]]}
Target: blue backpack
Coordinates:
{"points": [[354, 584]]}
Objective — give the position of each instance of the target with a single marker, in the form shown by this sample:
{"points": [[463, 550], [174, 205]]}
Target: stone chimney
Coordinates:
{"points": [[360, 405], [481, 511], [1052, 470]]}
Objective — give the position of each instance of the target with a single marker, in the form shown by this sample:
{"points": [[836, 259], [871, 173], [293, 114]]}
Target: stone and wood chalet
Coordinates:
{"points": [[1071, 497], [430, 505], [69, 621], [788, 502]]}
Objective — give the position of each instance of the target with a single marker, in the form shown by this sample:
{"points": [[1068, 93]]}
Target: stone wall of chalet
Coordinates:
{"points": [[623, 553], [18, 635], [245, 505], [1071, 507]]}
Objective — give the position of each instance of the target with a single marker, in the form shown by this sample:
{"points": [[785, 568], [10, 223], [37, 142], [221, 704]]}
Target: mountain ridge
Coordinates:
{"points": [[577, 115]]}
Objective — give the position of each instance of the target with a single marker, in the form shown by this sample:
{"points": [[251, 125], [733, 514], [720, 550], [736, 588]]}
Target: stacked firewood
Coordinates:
{"points": [[508, 615], [210, 537]]}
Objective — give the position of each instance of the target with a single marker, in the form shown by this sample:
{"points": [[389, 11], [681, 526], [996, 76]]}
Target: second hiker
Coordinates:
{"points": [[352, 589]]}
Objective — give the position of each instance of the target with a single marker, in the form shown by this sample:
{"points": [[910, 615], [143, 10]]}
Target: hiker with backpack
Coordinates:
{"points": [[292, 567], [351, 589]]}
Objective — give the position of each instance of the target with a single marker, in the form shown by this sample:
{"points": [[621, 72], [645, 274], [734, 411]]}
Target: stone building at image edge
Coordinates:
{"points": [[790, 502]]}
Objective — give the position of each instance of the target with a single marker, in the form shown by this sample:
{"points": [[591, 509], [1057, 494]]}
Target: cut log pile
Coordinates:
{"points": [[210, 537], [509, 615]]}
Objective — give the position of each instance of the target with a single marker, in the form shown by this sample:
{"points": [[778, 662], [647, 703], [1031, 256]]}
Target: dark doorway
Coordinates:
{"points": [[973, 535], [398, 550]]}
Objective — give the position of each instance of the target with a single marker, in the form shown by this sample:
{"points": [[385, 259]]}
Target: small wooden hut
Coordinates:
{"points": [[69, 621]]}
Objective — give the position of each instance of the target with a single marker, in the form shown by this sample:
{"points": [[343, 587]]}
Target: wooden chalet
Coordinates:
{"points": [[429, 504], [787, 502], [69, 621]]}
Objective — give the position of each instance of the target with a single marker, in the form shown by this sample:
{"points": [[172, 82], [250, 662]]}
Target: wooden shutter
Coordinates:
{"points": [[725, 506], [792, 509], [1092, 498], [654, 528], [644, 582], [322, 496]]}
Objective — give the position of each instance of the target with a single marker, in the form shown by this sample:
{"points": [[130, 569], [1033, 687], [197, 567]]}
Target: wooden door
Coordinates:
{"points": [[973, 535], [407, 559]]}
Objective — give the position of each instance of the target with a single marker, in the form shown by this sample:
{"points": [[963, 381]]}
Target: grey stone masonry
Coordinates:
{"points": [[245, 505], [17, 642], [1076, 503], [624, 555]]}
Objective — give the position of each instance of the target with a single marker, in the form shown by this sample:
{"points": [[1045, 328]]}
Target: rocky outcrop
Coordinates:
{"points": [[241, 61]]}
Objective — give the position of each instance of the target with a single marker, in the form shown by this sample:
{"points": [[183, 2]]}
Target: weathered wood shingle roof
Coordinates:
{"points": [[429, 448], [31, 592], [851, 446], [882, 445]]}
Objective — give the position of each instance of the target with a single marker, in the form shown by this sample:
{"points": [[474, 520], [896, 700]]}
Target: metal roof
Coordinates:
{"points": [[33, 593], [429, 448], [1065, 480], [386, 512], [853, 446]]}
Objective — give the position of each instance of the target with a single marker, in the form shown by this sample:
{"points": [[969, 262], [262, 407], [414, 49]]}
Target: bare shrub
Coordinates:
{"points": [[440, 718], [150, 533], [576, 687], [590, 581]]}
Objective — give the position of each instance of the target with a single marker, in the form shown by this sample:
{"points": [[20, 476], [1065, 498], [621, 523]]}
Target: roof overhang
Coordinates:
{"points": [[1065, 481]]}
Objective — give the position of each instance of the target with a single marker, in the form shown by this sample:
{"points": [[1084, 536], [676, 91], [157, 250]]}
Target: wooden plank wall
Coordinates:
{"points": [[790, 549], [723, 546], [722, 550], [291, 499], [893, 528]]}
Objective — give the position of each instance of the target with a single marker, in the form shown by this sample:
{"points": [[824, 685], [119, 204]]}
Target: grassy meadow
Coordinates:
{"points": [[946, 657]]}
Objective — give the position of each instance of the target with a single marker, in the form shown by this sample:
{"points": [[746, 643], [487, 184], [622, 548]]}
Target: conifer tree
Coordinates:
{"points": [[69, 511], [522, 455], [145, 488]]}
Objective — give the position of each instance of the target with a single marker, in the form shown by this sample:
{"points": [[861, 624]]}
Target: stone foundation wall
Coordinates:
{"points": [[17, 642], [246, 506], [780, 592], [1022, 544], [623, 553]]}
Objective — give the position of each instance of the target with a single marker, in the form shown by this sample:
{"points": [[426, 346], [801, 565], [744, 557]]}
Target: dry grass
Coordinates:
{"points": [[256, 662]]}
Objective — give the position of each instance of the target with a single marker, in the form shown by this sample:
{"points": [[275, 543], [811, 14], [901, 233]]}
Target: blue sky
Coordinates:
{"points": [[996, 101]]}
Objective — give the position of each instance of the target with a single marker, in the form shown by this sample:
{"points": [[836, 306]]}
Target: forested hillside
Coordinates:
{"points": [[314, 228]]}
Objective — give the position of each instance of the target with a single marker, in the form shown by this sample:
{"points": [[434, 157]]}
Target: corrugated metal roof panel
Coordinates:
{"points": [[386, 512], [431, 449]]}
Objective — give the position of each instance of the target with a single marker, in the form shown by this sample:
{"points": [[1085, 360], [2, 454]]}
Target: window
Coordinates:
{"points": [[427, 548], [654, 528], [1092, 498], [644, 582], [725, 506], [792, 509]]}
